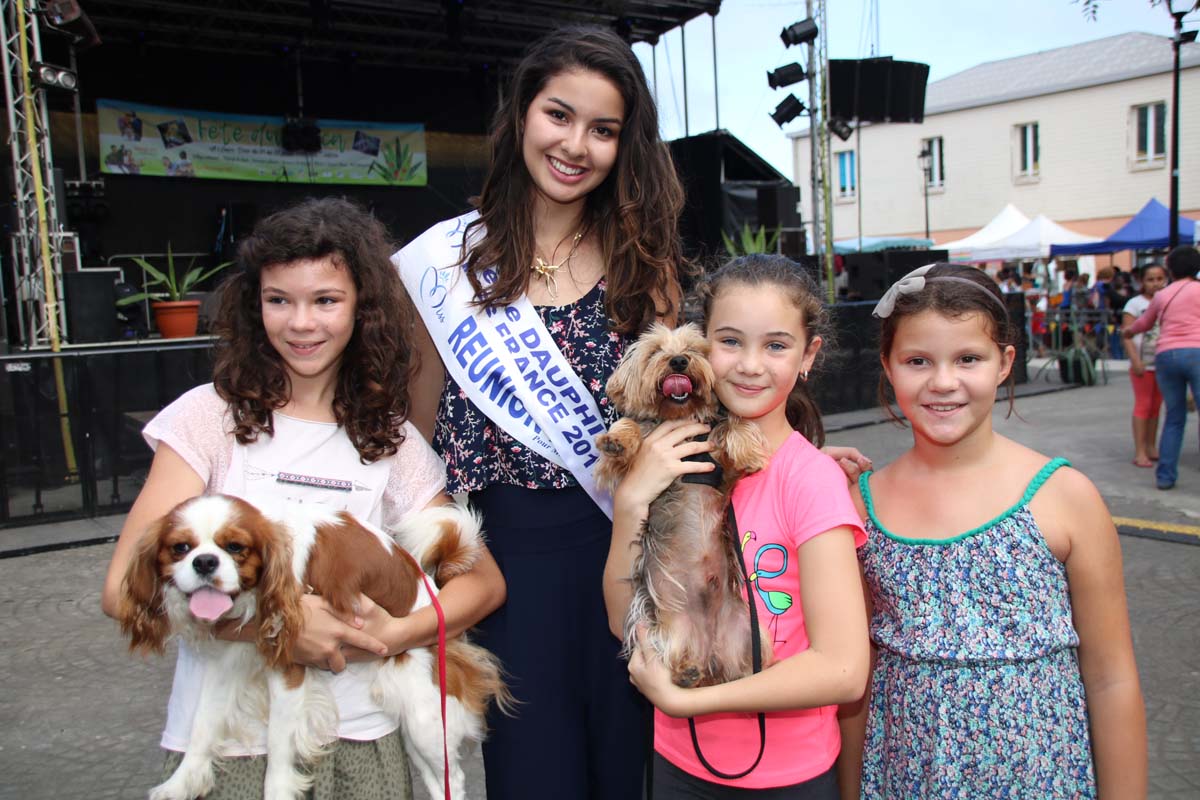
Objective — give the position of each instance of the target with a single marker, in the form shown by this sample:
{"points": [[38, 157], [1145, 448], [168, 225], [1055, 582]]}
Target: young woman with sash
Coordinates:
{"points": [[526, 305]]}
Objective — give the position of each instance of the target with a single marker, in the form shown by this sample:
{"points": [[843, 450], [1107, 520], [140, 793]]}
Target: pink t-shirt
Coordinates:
{"points": [[801, 493], [1180, 326]]}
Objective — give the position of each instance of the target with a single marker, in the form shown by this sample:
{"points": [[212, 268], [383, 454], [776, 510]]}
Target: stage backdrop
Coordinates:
{"points": [[138, 139]]}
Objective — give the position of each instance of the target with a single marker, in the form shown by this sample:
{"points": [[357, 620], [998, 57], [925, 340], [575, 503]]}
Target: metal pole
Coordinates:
{"points": [[858, 177], [683, 39], [925, 188], [78, 120], [813, 119], [654, 67], [1173, 240], [716, 86]]}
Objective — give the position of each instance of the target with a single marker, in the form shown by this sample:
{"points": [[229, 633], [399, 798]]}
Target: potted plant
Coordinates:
{"points": [[174, 316], [751, 241]]}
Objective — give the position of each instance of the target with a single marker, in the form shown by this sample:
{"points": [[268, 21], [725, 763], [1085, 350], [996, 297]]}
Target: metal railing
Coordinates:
{"points": [[1076, 340], [111, 392]]}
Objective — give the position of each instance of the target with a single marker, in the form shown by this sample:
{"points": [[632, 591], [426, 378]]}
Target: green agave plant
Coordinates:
{"points": [[175, 286], [399, 165], [751, 241]]}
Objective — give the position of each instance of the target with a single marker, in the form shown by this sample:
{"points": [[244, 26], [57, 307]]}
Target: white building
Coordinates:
{"points": [[1078, 133]]}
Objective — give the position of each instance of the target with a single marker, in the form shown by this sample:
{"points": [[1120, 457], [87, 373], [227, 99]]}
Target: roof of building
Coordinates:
{"points": [[1108, 60]]}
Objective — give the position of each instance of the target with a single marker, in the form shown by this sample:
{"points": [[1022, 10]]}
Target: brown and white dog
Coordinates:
{"points": [[216, 559], [687, 582]]}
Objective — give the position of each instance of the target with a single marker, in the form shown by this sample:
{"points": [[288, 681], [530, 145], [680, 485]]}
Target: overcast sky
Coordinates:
{"points": [[949, 35]]}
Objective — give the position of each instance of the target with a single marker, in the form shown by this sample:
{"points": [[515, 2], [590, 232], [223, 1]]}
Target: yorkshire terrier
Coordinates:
{"points": [[687, 580]]}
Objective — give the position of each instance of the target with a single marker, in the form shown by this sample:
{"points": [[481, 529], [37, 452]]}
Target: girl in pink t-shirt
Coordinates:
{"points": [[798, 530]]}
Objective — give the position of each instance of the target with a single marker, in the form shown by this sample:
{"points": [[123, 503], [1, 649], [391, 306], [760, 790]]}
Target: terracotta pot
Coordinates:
{"points": [[176, 318]]}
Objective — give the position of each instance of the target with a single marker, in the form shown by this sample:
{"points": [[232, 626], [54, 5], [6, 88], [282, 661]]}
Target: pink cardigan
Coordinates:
{"points": [[1181, 324]]}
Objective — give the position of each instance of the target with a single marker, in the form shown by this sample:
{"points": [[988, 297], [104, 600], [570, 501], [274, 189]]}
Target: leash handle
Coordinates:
{"points": [[441, 661], [755, 661]]}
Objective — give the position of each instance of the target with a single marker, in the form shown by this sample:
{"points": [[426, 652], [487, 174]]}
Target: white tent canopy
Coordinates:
{"points": [[1007, 222], [1030, 242]]}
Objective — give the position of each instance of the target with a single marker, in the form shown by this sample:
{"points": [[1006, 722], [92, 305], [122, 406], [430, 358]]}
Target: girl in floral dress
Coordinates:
{"points": [[1004, 664]]}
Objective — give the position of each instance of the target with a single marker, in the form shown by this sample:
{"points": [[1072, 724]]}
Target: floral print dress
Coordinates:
{"points": [[976, 692], [478, 453]]}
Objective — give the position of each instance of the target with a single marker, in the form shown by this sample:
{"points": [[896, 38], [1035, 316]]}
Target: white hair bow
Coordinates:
{"points": [[911, 283]]}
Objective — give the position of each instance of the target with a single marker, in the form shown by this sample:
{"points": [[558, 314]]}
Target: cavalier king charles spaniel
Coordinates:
{"points": [[216, 559]]}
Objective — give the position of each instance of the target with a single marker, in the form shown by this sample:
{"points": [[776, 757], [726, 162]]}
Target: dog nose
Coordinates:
{"points": [[205, 565], [679, 363]]}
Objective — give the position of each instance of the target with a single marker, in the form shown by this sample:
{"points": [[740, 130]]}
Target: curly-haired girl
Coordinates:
{"points": [[309, 403]]}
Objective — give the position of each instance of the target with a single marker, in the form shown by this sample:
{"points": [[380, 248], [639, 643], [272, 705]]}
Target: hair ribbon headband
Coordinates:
{"points": [[914, 282]]}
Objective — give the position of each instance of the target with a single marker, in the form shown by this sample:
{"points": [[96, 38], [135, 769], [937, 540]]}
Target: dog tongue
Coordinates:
{"points": [[209, 604], [676, 385]]}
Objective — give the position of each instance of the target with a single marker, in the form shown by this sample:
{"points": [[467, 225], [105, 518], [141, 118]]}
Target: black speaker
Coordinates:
{"points": [[301, 136], [778, 206], [870, 274], [877, 90], [60, 197], [866, 276], [90, 299], [793, 243]]}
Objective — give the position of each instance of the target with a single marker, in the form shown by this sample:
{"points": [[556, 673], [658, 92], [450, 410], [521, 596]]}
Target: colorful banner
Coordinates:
{"points": [[152, 140]]}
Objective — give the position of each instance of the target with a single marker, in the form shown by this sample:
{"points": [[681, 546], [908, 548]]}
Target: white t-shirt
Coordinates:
{"points": [[198, 427], [1143, 343]]}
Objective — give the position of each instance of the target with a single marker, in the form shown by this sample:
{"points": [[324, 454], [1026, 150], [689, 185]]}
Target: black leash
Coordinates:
{"points": [[755, 660]]}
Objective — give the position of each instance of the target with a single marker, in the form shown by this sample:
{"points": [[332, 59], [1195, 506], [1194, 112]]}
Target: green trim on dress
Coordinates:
{"points": [[1043, 475]]}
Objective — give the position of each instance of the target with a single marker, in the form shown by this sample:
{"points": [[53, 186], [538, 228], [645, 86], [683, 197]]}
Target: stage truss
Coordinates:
{"points": [[38, 242]]}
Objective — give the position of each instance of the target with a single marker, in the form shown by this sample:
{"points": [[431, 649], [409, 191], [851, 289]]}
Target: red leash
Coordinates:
{"points": [[441, 660]]}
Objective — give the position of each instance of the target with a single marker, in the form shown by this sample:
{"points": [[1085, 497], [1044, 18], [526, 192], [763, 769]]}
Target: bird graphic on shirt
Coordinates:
{"points": [[776, 602]]}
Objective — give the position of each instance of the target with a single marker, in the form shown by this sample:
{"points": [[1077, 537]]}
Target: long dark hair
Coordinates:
{"points": [[790, 278], [371, 399], [634, 212], [956, 299]]}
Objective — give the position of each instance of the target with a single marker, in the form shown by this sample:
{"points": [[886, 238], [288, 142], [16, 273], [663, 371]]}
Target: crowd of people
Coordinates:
{"points": [[951, 625]]}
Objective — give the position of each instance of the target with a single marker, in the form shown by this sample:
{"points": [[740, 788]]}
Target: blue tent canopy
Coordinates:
{"points": [[1148, 230]]}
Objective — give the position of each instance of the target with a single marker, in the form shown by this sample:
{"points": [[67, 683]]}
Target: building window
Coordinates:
{"points": [[1028, 156], [847, 177], [1150, 137], [936, 178]]}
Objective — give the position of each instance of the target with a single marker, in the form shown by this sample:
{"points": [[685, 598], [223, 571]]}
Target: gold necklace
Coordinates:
{"points": [[546, 270]]}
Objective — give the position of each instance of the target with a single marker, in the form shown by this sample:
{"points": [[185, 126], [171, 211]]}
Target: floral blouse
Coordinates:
{"points": [[479, 453]]}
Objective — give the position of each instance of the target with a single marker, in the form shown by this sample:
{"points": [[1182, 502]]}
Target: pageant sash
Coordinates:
{"points": [[503, 358]]}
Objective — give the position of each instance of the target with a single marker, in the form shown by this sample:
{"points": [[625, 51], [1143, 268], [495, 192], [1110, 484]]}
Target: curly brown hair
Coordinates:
{"points": [[634, 212], [371, 399]]}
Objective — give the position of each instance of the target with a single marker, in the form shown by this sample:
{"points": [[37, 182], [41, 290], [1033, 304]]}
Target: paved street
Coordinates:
{"points": [[80, 718]]}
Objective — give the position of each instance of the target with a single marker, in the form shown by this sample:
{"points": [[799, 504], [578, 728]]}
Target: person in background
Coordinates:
{"points": [[1147, 399], [1176, 310]]}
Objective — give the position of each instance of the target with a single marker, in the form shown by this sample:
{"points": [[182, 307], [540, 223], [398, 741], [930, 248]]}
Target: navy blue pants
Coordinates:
{"points": [[580, 729]]}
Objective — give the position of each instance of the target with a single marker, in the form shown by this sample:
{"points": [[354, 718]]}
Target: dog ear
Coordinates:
{"points": [[141, 612], [280, 617], [623, 382]]}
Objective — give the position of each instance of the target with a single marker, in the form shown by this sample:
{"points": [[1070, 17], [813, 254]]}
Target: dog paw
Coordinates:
{"points": [[686, 676], [609, 445], [185, 784]]}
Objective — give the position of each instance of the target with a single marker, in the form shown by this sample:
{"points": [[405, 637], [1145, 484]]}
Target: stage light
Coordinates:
{"points": [[786, 76], [67, 17], [49, 76], [840, 128], [787, 111], [799, 32]]}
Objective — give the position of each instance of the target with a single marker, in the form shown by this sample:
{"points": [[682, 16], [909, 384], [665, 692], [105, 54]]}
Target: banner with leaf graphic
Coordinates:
{"points": [[138, 139]]}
